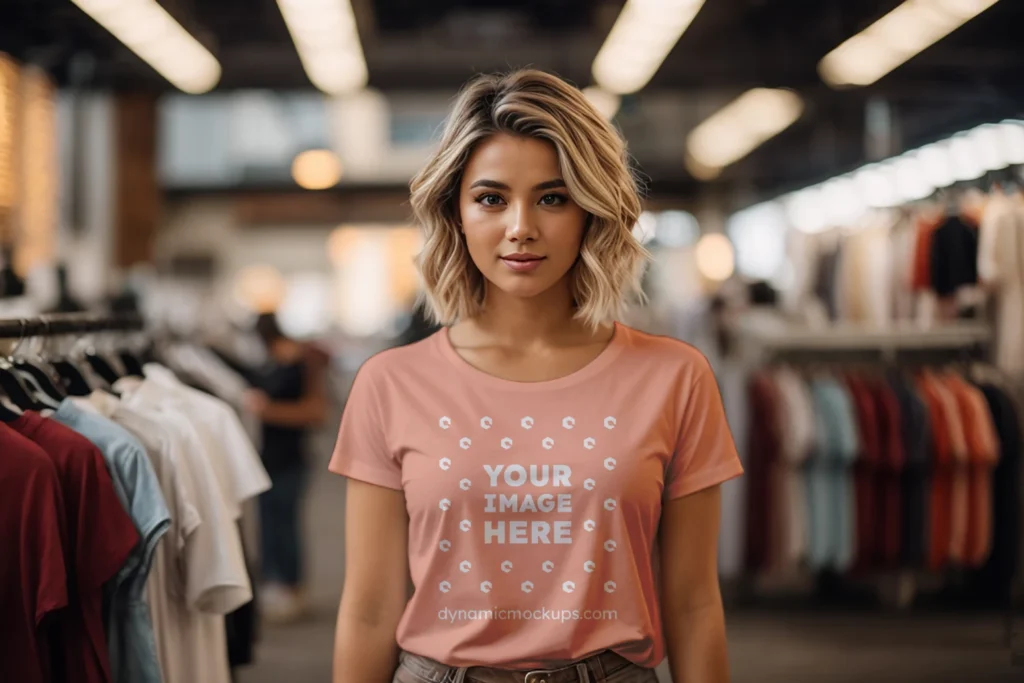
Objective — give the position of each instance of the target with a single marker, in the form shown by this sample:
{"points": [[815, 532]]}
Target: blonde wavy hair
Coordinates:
{"points": [[597, 174]]}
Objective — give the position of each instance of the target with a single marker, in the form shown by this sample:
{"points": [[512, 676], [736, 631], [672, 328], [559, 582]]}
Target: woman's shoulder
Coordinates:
{"points": [[402, 358], [663, 349]]}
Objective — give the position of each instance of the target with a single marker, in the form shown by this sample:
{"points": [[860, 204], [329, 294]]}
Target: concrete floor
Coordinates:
{"points": [[764, 647]]}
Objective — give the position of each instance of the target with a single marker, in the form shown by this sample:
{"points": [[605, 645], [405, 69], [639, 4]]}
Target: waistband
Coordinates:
{"points": [[593, 669]]}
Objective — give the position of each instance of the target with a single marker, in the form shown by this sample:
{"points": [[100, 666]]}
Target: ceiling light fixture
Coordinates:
{"points": [[606, 103], [643, 35], [327, 40], [894, 39], [740, 127], [151, 33]]}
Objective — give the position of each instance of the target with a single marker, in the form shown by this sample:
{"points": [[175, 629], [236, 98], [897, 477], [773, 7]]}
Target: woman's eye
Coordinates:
{"points": [[553, 200], [489, 199]]}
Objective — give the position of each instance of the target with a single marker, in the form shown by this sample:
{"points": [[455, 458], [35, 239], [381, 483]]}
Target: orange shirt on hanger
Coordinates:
{"points": [[939, 508]]}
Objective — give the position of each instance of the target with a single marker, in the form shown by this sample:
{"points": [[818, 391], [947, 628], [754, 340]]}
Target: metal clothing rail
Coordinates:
{"points": [[770, 335], [69, 323]]}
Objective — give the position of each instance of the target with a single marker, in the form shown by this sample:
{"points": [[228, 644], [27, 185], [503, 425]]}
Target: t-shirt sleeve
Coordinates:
{"points": [[106, 535], [361, 451], [249, 476], [705, 453]]}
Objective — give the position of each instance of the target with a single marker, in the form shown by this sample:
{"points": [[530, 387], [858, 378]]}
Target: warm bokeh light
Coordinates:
{"points": [[40, 172], [316, 169], [8, 115], [715, 258], [340, 242], [260, 288]]}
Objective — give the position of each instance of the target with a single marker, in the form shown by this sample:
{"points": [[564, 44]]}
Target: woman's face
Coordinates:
{"points": [[522, 229]]}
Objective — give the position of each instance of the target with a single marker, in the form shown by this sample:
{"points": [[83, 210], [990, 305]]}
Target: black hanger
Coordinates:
{"points": [[17, 389], [102, 368], [132, 365], [41, 378], [72, 378], [21, 386], [8, 410], [44, 379]]}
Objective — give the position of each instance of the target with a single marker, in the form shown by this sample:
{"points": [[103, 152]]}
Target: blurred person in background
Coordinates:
{"points": [[290, 400], [532, 390]]}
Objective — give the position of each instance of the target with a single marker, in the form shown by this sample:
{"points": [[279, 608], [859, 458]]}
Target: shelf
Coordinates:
{"points": [[772, 331]]}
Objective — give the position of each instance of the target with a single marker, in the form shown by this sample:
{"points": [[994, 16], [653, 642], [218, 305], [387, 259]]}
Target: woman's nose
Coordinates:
{"points": [[522, 226]]}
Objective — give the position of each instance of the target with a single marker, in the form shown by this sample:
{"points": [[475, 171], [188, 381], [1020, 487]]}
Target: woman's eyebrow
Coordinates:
{"points": [[495, 185]]}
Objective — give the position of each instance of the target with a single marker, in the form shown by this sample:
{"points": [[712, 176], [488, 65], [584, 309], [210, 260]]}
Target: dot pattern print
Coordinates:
{"points": [[486, 582]]}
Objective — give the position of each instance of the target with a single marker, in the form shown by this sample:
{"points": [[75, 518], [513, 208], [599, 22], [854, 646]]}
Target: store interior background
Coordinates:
{"points": [[224, 166]]}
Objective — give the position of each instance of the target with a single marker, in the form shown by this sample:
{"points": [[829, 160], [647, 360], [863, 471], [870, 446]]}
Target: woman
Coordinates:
{"points": [[547, 476], [289, 400]]}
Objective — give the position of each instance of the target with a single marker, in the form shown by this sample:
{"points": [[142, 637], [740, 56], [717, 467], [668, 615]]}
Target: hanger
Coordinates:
{"points": [[132, 365], [22, 390], [30, 368], [102, 366], [72, 378], [8, 410]]}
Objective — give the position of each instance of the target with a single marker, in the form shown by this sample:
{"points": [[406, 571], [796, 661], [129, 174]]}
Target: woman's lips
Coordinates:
{"points": [[522, 264]]}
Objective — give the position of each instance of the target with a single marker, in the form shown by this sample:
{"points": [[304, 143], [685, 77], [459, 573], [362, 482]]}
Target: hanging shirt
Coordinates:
{"points": [[940, 507], [983, 455], [100, 537], [541, 498], [831, 488], [762, 511], [199, 571], [33, 576], [915, 435], [798, 437], [998, 573], [959, 484], [129, 629], [954, 256], [224, 434], [1001, 267]]}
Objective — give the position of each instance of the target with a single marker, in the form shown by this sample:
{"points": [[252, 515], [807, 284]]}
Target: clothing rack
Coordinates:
{"points": [[60, 324], [767, 336]]}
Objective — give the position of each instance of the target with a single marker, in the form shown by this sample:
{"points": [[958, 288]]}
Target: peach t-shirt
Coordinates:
{"points": [[534, 506]]}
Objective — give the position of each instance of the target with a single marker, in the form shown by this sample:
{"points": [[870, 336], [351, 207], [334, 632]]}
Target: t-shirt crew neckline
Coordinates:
{"points": [[610, 352]]}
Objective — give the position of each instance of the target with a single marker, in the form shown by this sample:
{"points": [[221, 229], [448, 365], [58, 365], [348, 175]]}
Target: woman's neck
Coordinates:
{"points": [[516, 321]]}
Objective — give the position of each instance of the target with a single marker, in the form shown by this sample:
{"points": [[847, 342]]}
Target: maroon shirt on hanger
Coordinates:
{"points": [[865, 473], [32, 573], [100, 537]]}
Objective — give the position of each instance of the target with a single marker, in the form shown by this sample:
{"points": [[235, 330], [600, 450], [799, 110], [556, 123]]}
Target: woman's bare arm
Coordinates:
{"points": [[376, 582], [691, 599]]}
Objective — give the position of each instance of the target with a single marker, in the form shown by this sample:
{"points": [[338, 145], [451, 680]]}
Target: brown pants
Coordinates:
{"points": [[604, 667]]}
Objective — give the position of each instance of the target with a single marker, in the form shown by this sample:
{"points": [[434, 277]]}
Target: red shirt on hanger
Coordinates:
{"points": [[100, 537], [32, 574]]}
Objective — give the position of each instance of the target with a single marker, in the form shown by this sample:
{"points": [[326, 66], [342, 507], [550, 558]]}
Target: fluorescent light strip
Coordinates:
{"points": [[643, 35], [606, 103], [909, 177], [894, 39], [153, 34], [327, 40], [739, 128]]}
